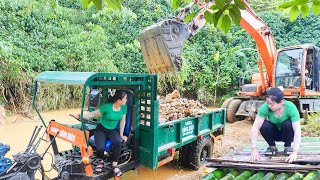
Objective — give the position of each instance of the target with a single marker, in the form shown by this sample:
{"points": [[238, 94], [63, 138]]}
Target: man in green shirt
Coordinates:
{"points": [[277, 120]]}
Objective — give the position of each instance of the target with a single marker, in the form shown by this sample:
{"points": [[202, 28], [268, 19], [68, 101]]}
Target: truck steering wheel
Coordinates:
{"points": [[85, 120]]}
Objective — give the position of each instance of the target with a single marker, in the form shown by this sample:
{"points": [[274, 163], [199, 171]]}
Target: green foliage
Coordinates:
{"points": [[264, 6], [311, 125], [223, 11], [303, 6], [42, 35], [113, 4], [176, 4], [36, 36], [212, 65]]}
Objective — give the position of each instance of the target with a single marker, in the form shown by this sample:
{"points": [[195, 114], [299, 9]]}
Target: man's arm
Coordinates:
{"points": [[92, 114], [296, 141], [297, 135], [255, 130], [122, 124], [254, 137]]}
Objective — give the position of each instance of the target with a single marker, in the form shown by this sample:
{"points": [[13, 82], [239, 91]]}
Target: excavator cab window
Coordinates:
{"points": [[288, 68], [309, 69]]}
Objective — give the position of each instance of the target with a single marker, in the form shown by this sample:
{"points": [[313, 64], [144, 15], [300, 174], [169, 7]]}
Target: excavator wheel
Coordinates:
{"points": [[232, 109], [227, 102]]}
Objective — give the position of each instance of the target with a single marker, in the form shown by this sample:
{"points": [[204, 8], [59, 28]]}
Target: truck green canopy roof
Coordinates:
{"points": [[76, 78], [86, 78]]}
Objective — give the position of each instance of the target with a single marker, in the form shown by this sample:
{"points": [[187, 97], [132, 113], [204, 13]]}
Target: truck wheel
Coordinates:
{"points": [[232, 110], [226, 102], [200, 150]]}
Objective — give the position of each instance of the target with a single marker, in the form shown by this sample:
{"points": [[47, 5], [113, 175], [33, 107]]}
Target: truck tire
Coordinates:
{"points": [[200, 150], [232, 110], [227, 102]]}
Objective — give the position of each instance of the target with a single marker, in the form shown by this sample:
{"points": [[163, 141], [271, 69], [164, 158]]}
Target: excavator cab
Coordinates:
{"points": [[297, 68]]}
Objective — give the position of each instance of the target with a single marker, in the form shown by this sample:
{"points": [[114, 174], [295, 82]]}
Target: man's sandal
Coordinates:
{"points": [[287, 151], [117, 171], [271, 151], [99, 167]]}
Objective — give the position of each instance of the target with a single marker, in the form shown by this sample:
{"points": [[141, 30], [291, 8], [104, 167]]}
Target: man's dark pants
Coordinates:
{"points": [[271, 133]]}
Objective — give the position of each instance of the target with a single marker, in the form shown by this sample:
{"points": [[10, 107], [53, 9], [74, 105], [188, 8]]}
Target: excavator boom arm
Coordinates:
{"points": [[162, 43]]}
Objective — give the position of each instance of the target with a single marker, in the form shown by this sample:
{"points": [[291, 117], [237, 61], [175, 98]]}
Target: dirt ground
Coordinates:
{"points": [[16, 131]]}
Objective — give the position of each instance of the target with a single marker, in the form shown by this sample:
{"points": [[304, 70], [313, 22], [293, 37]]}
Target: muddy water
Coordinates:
{"points": [[17, 130]]}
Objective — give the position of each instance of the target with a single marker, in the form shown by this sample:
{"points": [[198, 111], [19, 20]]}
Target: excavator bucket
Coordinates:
{"points": [[162, 45]]}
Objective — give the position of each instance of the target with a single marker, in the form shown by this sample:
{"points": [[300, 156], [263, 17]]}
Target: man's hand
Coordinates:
{"points": [[76, 116], [124, 138], [255, 155], [292, 157]]}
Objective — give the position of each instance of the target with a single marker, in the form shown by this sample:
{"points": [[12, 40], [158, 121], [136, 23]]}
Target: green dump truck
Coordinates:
{"points": [[149, 143]]}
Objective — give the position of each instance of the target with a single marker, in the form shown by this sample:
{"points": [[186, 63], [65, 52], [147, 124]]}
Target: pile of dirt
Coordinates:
{"points": [[174, 107]]}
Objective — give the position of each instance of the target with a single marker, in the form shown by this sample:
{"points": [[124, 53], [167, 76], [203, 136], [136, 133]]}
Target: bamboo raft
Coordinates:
{"points": [[238, 165]]}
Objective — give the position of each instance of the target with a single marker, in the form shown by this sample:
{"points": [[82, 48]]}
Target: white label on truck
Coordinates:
{"points": [[188, 128], [64, 134], [54, 129], [67, 135]]}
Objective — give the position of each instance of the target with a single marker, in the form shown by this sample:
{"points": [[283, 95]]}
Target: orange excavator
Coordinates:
{"points": [[295, 68]]}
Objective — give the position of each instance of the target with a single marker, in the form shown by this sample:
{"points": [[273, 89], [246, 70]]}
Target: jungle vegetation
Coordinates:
{"points": [[52, 35]]}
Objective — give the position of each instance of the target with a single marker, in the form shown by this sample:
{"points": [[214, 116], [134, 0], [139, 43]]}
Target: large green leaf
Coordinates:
{"points": [[220, 3], [216, 17], [292, 3], [285, 5], [300, 1], [235, 14], [189, 17], [85, 3], [98, 3], [208, 16], [316, 7], [305, 10], [294, 12], [240, 4], [176, 4], [224, 23], [214, 7], [113, 4], [90, 5]]}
